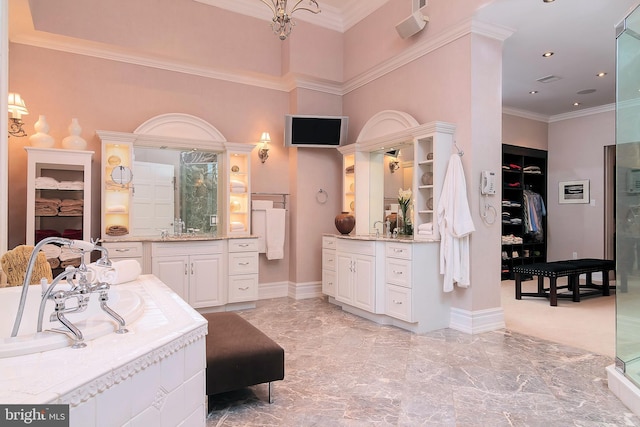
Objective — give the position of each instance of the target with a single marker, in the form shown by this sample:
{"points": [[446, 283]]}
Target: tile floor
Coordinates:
{"points": [[341, 370]]}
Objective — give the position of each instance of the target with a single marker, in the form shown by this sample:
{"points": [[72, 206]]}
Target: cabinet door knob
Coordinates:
{"points": [[186, 271], [191, 268]]}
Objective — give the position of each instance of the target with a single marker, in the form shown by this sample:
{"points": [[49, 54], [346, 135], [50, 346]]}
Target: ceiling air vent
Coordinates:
{"points": [[548, 79]]}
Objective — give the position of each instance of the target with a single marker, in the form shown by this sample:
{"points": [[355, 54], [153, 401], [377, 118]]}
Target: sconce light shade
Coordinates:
{"points": [[263, 151], [16, 108]]}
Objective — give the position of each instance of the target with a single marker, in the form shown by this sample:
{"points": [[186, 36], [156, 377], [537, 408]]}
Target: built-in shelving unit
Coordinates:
{"points": [[523, 175], [238, 192], [58, 196], [117, 159]]}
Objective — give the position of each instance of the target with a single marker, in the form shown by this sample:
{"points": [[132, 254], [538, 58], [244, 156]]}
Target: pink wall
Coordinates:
{"points": [[576, 152], [524, 132]]}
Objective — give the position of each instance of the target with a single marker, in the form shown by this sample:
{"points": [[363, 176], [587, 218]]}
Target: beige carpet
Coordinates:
{"points": [[588, 324]]}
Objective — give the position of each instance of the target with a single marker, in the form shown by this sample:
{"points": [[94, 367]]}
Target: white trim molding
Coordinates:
{"points": [[476, 322], [305, 290]]}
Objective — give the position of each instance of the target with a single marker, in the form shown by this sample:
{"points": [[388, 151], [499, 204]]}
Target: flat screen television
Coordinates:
{"points": [[315, 131]]}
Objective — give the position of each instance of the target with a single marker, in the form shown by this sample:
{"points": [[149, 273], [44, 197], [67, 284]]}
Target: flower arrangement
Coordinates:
{"points": [[404, 199]]}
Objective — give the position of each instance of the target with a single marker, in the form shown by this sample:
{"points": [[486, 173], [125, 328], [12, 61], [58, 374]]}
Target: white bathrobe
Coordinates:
{"points": [[455, 225]]}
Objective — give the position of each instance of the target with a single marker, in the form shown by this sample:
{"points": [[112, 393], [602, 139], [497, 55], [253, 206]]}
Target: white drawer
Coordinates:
{"points": [[398, 271], [243, 245], [243, 263], [243, 288], [361, 247], [329, 282], [398, 250], [398, 302], [123, 249], [186, 248], [328, 242], [329, 259]]}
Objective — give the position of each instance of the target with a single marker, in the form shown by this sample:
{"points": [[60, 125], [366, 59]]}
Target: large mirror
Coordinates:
{"points": [[183, 184], [391, 169]]}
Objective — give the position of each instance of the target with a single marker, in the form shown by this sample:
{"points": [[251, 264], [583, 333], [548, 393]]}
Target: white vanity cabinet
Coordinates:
{"points": [[329, 265], [194, 270], [389, 281], [243, 270], [125, 250], [356, 272]]}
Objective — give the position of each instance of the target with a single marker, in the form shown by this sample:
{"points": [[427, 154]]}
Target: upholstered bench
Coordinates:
{"points": [[572, 269], [240, 355]]}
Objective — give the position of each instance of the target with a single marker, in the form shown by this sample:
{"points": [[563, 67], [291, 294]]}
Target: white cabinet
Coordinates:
{"points": [[194, 270], [356, 274], [389, 281], [329, 265], [125, 250], [58, 195], [243, 270]]}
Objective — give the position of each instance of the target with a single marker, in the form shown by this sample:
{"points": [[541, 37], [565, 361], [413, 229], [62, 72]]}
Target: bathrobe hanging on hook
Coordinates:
{"points": [[455, 224]]}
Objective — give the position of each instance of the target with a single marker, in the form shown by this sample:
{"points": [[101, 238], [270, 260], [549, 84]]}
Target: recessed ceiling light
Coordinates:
{"points": [[533, 92], [547, 54], [601, 74], [575, 104]]}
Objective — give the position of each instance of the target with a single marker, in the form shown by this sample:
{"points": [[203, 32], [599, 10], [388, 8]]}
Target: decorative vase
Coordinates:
{"points": [[74, 141], [345, 222], [41, 138], [405, 227]]}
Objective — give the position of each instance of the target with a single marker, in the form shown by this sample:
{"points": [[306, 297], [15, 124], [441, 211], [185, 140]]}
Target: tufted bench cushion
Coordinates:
{"points": [[239, 354], [571, 269]]}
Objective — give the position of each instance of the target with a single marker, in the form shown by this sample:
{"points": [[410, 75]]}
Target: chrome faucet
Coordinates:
{"points": [[81, 291], [375, 225]]}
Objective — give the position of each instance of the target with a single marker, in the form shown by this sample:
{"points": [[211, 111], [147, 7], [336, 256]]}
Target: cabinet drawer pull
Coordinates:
{"points": [[192, 268], [243, 245], [397, 272], [397, 302], [246, 288], [123, 250], [396, 250], [186, 271], [243, 263]]}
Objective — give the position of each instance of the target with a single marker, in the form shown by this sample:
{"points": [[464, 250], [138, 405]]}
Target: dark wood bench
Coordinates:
{"points": [[572, 269], [239, 355]]}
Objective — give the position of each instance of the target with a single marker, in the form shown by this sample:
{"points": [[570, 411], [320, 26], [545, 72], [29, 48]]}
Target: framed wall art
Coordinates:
{"points": [[573, 191]]}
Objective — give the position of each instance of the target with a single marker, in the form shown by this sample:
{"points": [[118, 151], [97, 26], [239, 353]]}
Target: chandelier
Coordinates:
{"points": [[282, 23]]}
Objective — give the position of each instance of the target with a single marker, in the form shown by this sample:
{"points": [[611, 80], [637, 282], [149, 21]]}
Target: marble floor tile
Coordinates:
{"points": [[342, 370]]}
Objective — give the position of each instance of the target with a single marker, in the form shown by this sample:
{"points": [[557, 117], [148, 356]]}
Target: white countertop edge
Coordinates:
{"points": [[71, 376]]}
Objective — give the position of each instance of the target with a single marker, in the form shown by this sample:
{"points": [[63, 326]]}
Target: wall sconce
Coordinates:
{"points": [[263, 151], [394, 163], [16, 109]]}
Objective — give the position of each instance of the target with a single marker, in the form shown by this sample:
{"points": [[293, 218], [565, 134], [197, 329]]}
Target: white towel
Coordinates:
{"points": [[71, 185], [51, 251], [427, 226], [117, 209], [275, 226], [237, 226], [46, 183], [259, 222]]}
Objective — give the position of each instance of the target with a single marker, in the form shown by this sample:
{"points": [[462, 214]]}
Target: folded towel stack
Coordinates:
{"points": [[117, 230], [71, 185], [238, 186], [237, 226], [426, 228], [69, 257], [47, 207], [72, 233], [46, 183], [71, 207], [116, 209]]}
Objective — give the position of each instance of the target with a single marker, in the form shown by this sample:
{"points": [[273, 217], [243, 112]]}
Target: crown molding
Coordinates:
{"points": [[583, 113], [330, 17], [525, 114]]}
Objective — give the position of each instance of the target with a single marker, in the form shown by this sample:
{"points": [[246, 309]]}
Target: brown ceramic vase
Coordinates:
{"points": [[345, 222]]}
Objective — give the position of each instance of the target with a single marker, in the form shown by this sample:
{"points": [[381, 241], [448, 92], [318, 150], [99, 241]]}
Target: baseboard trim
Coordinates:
{"points": [[476, 322], [273, 290], [305, 290]]}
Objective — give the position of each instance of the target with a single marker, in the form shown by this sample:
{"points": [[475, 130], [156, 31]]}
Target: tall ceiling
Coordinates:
{"points": [[581, 33]]}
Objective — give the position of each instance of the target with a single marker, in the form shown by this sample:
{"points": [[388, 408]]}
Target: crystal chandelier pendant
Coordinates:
{"points": [[282, 23]]}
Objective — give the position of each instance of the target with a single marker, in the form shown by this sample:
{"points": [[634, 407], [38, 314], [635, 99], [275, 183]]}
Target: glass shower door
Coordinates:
{"points": [[628, 198]]}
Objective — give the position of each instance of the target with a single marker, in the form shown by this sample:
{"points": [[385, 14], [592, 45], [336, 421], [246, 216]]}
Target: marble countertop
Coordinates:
{"points": [[381, 238], [183, 238]]}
